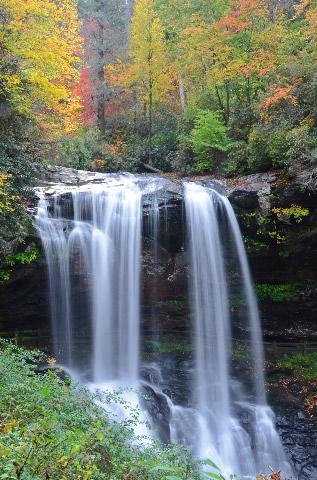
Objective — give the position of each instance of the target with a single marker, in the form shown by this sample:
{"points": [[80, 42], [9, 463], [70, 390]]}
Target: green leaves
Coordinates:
{"points": [[47, 426], [215, 476], [208, 136]]}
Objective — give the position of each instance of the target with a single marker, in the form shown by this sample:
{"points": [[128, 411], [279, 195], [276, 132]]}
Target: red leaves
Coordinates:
{"points": [[86, 91], [243, 15], [280, 94]]}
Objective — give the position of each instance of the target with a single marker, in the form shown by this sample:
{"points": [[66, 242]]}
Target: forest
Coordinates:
{"points": [[158, 239], [198, 87]]}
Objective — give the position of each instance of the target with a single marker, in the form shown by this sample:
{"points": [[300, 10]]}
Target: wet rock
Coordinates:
{"points": [[62, 374], [155, 403], [299, 437], [246, 200]]}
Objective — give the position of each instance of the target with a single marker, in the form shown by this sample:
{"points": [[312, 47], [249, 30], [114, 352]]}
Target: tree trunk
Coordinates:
{"points": [[101, 100], [182, 93], [101, 103], [227, 103], [150, 121]]}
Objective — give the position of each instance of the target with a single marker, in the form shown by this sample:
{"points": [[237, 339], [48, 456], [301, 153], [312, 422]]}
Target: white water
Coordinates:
{"points": [[98, 245], [217, 397], [104, 245]]}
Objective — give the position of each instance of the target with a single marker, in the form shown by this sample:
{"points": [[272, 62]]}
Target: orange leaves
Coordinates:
{"points": [[243, 14], [272, 476], [301, 8], [279, 94], [117, 148], [117, 73]]}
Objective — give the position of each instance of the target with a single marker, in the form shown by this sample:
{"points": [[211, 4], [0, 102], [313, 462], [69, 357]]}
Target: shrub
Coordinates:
{"points": [[237, 162], [301, 365], [294, 212], [14, 259], [208, 136], [54, 430], [277, 292], [258, 160], [78, 151], [16, 175], [302, 145]]}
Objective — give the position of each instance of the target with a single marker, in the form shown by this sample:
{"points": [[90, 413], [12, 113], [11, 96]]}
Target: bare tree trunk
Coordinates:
{"points": [[182, 93], [150, 121], [101, 100], [227, 102]]}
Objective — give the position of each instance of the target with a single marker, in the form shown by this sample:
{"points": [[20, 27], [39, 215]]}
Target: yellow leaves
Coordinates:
{"points": [[311, 18], [43, 35], [148, 71], [8, 427], [215, 53], [6, 201]]}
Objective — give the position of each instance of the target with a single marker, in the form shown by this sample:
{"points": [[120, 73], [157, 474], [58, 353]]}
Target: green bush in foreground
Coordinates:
{"points": [[54, 431]]}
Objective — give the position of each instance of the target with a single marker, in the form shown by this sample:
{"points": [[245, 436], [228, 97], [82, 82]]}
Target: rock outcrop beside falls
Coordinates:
{"points": [[281, 244]]}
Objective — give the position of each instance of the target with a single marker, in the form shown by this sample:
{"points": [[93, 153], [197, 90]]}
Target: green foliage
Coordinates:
{"points": [[254, 245], [302, 145], [294, 212], [169, 346], [172, 305], [277, 292], [78, 151], [50, 429], [304, 366], [208, 136], [236, 163], [14, 259], [258, 159], [16, 166], [22, 258]]}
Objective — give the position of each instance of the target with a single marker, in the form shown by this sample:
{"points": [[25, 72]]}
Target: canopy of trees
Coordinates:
{"points": [[250, 63], [225, 86]]}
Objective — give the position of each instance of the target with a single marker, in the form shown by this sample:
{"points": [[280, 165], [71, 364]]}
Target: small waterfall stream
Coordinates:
{"points": [[212, 224], [95, 239]]}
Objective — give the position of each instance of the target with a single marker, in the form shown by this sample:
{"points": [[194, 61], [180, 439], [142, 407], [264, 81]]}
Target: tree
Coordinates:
{"points": [[39, 65], [208, 136], [148, 73], [41, 42], [105, 40]]}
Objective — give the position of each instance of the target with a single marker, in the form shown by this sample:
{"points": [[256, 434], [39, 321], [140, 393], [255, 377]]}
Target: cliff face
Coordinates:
{"points": [[278, 219]]}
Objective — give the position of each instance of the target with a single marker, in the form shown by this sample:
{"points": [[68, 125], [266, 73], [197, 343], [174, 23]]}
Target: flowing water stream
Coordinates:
{"points": [[93, 237]]}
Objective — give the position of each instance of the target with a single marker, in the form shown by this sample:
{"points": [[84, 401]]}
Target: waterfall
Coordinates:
{"points": [[92, 238], [103, 244], [220, 400]]}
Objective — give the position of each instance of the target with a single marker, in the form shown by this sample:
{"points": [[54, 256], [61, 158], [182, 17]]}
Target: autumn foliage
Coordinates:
{"points": [[41, 42]]}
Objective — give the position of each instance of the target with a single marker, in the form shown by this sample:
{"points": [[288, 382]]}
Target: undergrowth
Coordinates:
{"points": [[54, 431]]}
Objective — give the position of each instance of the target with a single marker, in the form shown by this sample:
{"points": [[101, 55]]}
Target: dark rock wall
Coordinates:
{"points": [[282, 251]]}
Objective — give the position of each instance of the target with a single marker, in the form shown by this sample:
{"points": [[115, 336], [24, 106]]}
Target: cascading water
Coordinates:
{"points": [[104, 245], [218, 398], [93, 240]]}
